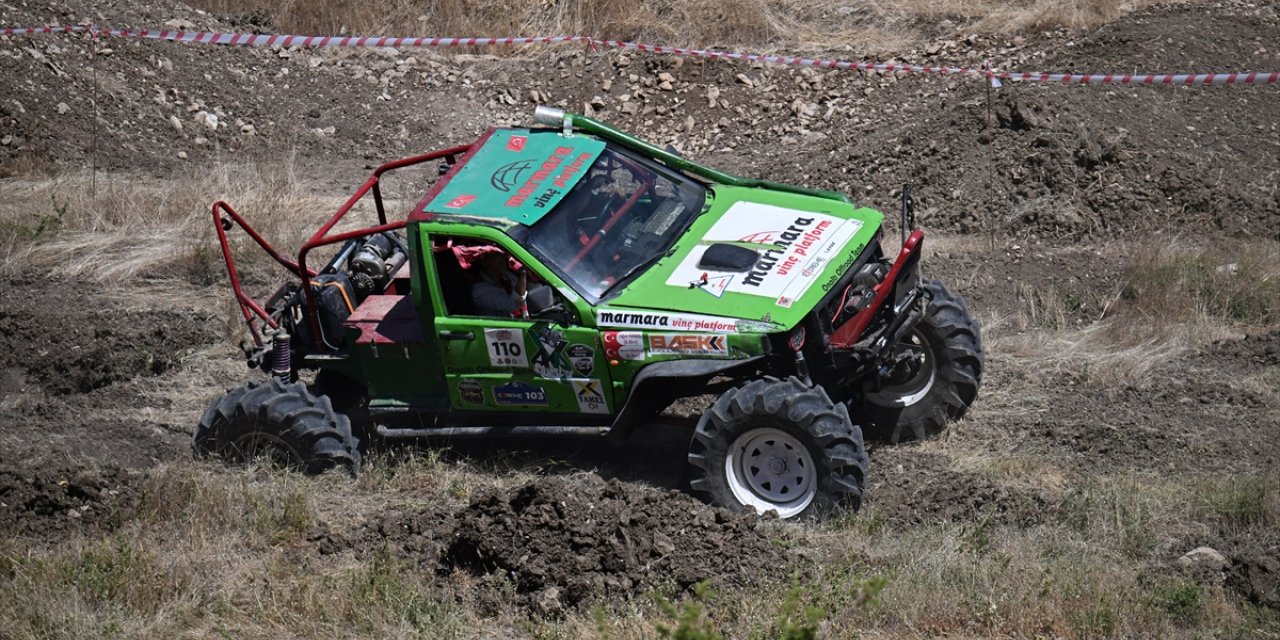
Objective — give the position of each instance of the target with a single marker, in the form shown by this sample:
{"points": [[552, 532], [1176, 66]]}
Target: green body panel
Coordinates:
{"points": [[530, 366], [516, 365], [807, 243], [518, 175], [584, 361], [402, 375]]}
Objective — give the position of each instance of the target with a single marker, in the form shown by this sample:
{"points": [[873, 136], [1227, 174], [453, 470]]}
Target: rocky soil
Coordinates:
{"points": [[1028, 158]]}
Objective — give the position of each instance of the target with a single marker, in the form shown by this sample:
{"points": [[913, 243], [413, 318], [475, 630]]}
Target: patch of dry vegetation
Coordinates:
{"points": [[1174, 298], [208, 552], [124, 227], [888, 26]]}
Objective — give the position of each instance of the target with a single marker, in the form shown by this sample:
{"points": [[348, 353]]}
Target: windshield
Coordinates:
{"points": [[624, 214]]}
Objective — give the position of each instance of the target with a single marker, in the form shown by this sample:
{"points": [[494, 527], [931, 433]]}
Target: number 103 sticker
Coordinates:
{"points": [[506, 347]]}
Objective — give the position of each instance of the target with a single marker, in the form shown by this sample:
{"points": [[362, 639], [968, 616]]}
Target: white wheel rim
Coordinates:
{"points": [[771, 470]]}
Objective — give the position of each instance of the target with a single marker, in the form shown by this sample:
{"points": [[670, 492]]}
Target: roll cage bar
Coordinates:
{"points": [[224, 217]]}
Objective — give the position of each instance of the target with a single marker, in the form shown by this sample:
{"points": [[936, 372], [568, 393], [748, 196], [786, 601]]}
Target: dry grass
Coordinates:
{"points": [[1174, 298], [215, 553], [886, 26], [129, 227]]}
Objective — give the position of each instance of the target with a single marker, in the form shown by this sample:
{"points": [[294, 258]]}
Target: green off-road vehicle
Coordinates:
{"points": [[646, 278]]}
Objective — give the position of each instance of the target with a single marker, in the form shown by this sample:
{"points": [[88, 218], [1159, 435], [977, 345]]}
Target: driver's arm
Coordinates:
{"points": [[492, 300]]}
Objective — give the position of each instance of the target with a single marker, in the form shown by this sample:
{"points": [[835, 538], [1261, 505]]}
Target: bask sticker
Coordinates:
{"points": [[688, 344], [506, 348]]}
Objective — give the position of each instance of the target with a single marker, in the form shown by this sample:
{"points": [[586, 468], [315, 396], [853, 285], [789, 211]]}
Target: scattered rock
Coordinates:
{"points": [[207, 119], [175, 123], [1203, 558], [742, 77], [63, 108]]}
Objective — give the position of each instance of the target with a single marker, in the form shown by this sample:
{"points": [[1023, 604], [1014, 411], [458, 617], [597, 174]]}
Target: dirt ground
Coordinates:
{"points": [[1031, 188]]}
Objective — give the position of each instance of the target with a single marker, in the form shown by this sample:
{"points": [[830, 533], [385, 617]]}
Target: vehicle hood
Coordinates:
{"points": [[803, 244]]}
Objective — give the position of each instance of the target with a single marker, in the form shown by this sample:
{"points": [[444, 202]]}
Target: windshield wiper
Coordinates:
{"points": [[637, 269]]}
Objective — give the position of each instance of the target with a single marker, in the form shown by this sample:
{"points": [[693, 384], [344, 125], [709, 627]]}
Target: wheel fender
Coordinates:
{"points": [[651, 391]]}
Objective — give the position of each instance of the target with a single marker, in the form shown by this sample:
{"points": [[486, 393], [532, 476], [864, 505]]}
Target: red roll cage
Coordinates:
{"points": [[224, 216]]}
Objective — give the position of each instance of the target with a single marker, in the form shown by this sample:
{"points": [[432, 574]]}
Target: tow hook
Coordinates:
{"points": [[802, 369]]}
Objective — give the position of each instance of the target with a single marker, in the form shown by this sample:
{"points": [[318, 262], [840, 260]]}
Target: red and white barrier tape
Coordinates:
{"points": [[249, 39]]}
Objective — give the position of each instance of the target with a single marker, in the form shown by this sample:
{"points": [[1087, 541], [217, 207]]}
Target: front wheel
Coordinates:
{"points": [[941, 380], [778, 445]]}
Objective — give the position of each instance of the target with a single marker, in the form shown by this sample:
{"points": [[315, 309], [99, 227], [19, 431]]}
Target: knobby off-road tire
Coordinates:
{"points": [[778, 445], [284, 423], [946, 383]]}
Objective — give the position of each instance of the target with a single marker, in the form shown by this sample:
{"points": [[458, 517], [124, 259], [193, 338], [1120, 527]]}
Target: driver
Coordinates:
{"points": [[500, 292]]}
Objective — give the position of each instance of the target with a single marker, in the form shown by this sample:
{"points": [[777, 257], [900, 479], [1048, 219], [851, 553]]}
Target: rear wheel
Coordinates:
{"points": [[777, 445], [940, 378], [284, 424]]}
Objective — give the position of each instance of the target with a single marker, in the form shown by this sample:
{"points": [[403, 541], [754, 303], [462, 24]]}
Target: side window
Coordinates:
{"points": [[478, 278]]}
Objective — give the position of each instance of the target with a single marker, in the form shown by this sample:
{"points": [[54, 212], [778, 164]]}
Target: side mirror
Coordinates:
{"points": [[540, 298]]}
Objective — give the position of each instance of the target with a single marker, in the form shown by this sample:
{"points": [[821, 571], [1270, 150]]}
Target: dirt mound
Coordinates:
{"points": [[564, 540], [913, 488], [67, 346], [1255, 575], [571, 539], [46, 503], [79, 372], [1253, 352]]}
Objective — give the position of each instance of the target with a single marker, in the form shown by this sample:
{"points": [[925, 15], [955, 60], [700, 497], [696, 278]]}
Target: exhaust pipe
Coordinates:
{"points": [[547, 115]]}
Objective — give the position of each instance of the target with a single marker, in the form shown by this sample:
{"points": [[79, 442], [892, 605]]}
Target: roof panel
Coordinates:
{"points": [[517, 175]]}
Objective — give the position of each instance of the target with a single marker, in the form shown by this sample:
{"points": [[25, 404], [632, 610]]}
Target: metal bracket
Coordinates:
{"points": [[908, 212]]}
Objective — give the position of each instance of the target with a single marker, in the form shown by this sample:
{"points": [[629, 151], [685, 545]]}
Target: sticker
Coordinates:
{"points": [[590, 395], [550, 360], [582, 357], [688, 344], [459, 202], [507, 177], [843, 268], [506, 348], [519, 393], [668, 321], [714, 286], [793, 249], [623, 345], [471, 392], [518, 175]]}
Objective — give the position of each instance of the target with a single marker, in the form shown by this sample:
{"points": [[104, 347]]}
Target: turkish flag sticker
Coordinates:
{"points": [[459, 202], [516, 143]]}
